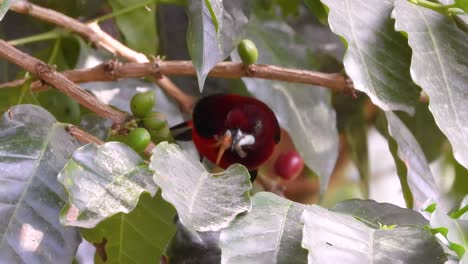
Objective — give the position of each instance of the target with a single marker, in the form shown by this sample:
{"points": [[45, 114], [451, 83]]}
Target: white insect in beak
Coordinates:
{"points": [[240, 139]]}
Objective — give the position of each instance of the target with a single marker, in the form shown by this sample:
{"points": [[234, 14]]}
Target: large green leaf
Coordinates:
{"points": [[137, 237], [215, 29], [440, 67], [373, 213], [102, 181], [33, 149], [338, 238], [378, 57], [356, 135], [187, 247], [419, 175], [318, 9], [270, 233], [304, 111], [401, 168], [138, 26], [425, 130], [204, 201]]}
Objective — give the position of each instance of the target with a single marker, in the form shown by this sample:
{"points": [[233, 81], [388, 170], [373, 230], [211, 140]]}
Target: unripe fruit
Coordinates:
{"points": [[247, 51], [138, 139], [154, 121], [289, 165], [141, 104], [161, 135]]}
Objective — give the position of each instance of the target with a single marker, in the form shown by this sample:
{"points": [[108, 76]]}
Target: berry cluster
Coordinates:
{"points": [[145, 126]]}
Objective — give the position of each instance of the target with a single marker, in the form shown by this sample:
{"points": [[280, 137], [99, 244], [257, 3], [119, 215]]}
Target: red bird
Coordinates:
{"points": [[228, 129]]}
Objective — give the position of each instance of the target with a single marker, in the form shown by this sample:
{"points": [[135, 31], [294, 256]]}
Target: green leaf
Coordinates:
{"points": [[211, 41], [26, 95], [420, 178], [456, 174], [356, 136], [318, 9], [457, 230], [463, 4], [62, 106], [138, 26], [461, 213], [17, 95], [289, 7], [338, 238], [372, 213], [303, 110], [439, 67], [378, 57], [204, 201], [33, 149], [187, 247], [270, 233], [10, 97], [102, 181], [137, 237], [95, 125], [4, 6], [425, 130]]}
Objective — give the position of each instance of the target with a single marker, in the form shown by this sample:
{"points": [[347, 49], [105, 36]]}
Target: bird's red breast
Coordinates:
{"points": [[246, 127]]}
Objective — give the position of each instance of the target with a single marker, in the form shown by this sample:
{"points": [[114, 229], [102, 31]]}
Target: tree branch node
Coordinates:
{"points": [[109, 68], [44, 70], [249, 69], [348, 88], [157, 68]]}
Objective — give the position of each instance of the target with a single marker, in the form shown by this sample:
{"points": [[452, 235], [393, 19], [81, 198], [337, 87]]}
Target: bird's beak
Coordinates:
{"points": [[224, 143]]}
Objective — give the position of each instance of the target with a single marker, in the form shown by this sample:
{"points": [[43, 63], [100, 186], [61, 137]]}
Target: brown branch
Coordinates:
{"points": [[84, 137], [49, 75], [113, 70], [93, 33]]}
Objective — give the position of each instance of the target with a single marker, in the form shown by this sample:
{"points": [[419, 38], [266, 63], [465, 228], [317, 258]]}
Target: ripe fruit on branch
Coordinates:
{"points": [[247, 51], [289, 165], [142, 103]]}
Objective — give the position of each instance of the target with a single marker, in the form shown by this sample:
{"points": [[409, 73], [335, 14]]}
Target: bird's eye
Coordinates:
{"points": [[258, 127]]}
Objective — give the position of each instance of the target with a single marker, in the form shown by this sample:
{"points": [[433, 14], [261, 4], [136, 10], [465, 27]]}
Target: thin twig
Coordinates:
{"points": [[113, 70], [49, 75], [84, 137], [93, 33]]}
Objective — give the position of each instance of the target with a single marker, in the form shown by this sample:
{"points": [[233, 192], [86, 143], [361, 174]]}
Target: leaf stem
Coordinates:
{"points": [[53, 34], [55, 49], [447, 10], [460, 212], [124, 10]]}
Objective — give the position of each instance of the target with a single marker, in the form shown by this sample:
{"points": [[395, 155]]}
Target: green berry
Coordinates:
{"points": [[138, 139], [161, 135], [247, 51], [142, 103], [154, 121]]}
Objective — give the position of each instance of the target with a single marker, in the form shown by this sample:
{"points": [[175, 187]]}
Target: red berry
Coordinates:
{"points": [[289, 165]]}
